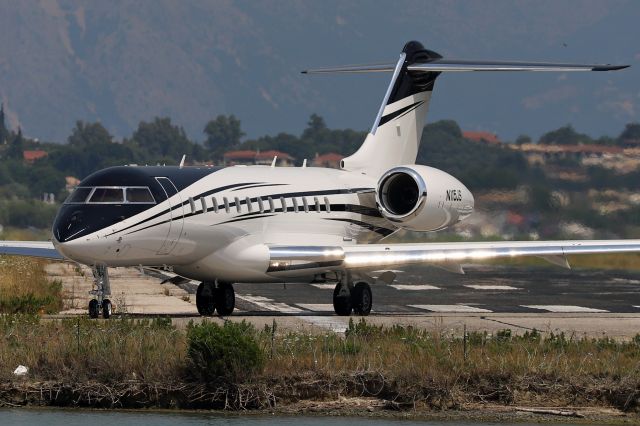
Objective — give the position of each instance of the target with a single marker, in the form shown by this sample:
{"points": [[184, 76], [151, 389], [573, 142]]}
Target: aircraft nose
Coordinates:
{"points": [[69, 224]]}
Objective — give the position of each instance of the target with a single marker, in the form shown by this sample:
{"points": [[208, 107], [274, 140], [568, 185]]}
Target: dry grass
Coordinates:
{"points": [[78, 350], [25, 288], [409, 366]]}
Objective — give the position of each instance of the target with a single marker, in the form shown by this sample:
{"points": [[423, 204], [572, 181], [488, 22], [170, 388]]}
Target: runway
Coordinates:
{"points": [[484, 289], [488, 298]]}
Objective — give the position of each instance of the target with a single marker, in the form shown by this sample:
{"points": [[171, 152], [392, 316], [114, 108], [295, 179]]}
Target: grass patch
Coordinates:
{"points": [[235, 366], [25, 288]]}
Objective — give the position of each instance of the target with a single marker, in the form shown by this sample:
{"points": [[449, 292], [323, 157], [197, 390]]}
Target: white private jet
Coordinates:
{"points": [[266, 224]]}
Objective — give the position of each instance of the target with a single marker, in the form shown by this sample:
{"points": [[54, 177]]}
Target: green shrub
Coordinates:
{"points": [[227, 353]]}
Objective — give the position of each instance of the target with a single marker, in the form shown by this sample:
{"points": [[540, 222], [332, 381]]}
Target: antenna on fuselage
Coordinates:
{"points": [[182, 161], [273, 163], [304, 163]]}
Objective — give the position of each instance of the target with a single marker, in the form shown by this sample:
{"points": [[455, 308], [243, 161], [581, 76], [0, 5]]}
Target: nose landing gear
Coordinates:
{"points": [[102, 289], [348, 297], [215, 296]]}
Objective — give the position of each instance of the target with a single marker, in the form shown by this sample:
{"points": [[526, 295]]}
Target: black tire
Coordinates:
{"points": [[106, 309], [226, 299], [341, 303], [206, 298], [94, 309], [362, 299]]}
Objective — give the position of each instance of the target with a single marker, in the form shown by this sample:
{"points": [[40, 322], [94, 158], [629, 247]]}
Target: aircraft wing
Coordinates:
{"points": [[292, 260], [43, 249]]}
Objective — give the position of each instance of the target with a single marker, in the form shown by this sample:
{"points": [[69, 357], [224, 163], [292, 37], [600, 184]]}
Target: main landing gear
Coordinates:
{"points": [[99, 304], [348, 297], [215, 296]]}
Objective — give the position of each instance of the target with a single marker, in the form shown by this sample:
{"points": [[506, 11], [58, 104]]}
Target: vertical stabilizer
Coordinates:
{"points": [[395, 136]]}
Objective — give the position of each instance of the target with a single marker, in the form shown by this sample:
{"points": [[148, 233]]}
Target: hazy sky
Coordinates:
{"points": [[125, 61]]}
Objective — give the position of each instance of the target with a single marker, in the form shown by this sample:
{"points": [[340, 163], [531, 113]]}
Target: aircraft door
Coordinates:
{"points": [[175, 225]]}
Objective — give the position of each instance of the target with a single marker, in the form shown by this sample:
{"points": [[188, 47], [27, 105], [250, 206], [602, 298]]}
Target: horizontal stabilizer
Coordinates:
{"points": [[448, 65], [453, 65], [353, 69]]}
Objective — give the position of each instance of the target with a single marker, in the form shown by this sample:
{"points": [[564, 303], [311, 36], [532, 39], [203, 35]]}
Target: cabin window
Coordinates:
{"points": [[107, 195], [295, 204], [317, 203], [139, 196], [306, 205], [249, 204], [204, 204], [284, 204], [192, 204], [238, 206], [226, 204], [215, 204], [260, 205], [327, 205], [79, 195], [272, 207]]}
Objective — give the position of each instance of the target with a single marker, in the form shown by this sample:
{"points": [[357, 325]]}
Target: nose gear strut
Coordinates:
{"points": [[102, 288]]}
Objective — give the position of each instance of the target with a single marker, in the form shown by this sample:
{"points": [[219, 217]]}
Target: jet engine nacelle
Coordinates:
{"points": [[421, 198]]}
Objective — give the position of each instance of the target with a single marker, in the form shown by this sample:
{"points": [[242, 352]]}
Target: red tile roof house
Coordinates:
{"points": [[249, 157], [266, 158], [330, 159], [232, 158], [32, 156], [486, 137]]}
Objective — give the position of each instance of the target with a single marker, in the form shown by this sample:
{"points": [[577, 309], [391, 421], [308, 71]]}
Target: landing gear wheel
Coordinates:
{"points": [[341, 301], [206, 298], [106, 308], [226, 300], [361, 299], [94, 309]]}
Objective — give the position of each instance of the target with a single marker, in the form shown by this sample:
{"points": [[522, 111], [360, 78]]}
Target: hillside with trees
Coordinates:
{"points": [[483, 167]]}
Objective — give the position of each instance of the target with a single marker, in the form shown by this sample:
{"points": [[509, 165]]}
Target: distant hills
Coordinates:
{"points": [[121, 62]]}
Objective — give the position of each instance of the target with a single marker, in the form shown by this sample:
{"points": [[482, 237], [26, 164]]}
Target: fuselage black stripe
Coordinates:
{"points": [[363, 210], [177, 206], [377, 229], [260, 186], [245, 218]]}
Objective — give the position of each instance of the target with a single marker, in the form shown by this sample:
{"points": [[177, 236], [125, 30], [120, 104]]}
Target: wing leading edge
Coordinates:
{"points": [[290, 260], [42, 249]]}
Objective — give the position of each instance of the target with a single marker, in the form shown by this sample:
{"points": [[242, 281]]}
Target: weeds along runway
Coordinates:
{"points": [[487, 298]]}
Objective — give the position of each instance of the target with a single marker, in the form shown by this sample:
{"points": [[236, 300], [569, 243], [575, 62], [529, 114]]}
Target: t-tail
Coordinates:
{"points": [[395, 136]]}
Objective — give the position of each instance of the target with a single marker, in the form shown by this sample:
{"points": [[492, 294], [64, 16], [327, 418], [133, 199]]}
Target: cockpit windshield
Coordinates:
{"points": [[107, 195], [111, 195]]}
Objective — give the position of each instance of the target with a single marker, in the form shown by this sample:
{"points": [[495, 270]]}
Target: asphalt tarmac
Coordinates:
{"points": [[488, 298], [483, 289]]}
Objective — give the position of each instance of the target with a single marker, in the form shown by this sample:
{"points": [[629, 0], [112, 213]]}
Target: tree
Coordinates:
{"points": [[17, 146], [162, 140], [523, 139], [564, 136], [223, 132], [87, 134], [4, 133], [316, 128], [631, 132]]}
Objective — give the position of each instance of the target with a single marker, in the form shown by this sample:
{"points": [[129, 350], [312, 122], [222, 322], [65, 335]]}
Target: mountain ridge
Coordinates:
{"points": [[122, 62]]}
